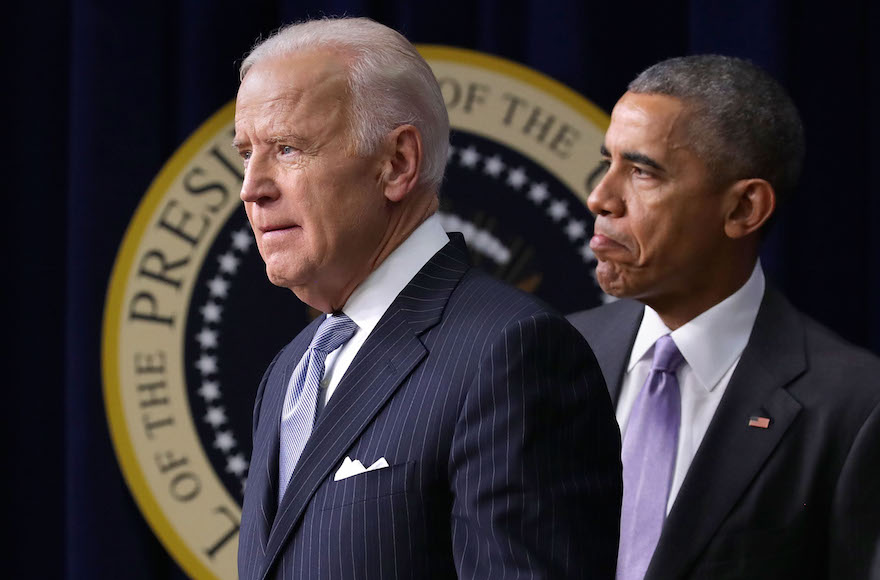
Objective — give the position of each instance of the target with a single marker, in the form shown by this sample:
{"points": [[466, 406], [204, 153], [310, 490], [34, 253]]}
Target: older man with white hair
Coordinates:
{"points": [[435, 423]]}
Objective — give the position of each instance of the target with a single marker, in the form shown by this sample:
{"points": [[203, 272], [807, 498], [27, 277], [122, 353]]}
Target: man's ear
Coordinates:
{"points": [[400, 171], [752, 202]]}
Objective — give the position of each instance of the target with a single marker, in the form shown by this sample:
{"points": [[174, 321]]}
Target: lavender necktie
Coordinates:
{"points": [[649, 449], [298, 415]]}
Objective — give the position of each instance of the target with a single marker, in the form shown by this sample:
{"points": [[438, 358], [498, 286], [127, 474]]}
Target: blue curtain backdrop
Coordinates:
{"points": [[100, 94]]}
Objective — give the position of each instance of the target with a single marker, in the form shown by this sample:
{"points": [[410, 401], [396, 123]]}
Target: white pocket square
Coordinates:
{"points": [[350, 468]]}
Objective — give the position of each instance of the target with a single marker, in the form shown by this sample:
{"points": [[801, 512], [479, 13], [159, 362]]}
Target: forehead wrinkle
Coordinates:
{"points": [[664, 133], [305, 96], [678, 133], [679, 141], [273, 118], [283, 104]]}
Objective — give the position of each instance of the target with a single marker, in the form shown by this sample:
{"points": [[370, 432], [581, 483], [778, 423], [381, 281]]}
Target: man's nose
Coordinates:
{"points": [[259, 182], [605, 199]]}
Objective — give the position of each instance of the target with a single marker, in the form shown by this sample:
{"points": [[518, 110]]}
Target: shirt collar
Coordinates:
{"points": [[374, 295], [714, 340]]}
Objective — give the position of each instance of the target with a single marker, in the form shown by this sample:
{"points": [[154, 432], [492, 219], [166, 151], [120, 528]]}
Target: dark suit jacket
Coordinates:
{"points": [[493, 416], [796, 500]]}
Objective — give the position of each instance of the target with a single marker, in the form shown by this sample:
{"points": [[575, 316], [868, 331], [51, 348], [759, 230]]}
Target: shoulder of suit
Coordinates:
{"points": [[826, 348], [840, 372], [821, 341], [596, 320], [494, 304], [610, 310], [478, 281]]}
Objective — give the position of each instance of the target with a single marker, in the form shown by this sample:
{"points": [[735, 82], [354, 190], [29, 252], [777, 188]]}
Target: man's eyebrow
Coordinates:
{"points": [[642, 159], [633, 157], [238, 143], [284, 139]]}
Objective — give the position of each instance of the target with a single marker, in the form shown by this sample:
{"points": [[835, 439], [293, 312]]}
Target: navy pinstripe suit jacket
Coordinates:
{"points": [[493, 416]]}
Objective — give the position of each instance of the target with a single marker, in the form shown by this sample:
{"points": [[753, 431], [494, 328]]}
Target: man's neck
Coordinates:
{"points": [[677, 310], [404, 221]]}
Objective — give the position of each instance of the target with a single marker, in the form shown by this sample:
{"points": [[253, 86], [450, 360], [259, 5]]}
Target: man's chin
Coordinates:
{"points": [[612, 280], [280, 278]]}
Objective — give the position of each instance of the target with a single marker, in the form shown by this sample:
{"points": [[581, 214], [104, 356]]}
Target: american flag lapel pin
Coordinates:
{"points": [[759, 422]]}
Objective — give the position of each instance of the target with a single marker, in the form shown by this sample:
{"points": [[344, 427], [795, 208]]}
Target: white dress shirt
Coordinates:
{"points": [[711, 344], [371, 299]]}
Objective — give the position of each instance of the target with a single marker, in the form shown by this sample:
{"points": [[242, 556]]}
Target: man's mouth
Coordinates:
{"points": [[276, 230], [602, 243]]}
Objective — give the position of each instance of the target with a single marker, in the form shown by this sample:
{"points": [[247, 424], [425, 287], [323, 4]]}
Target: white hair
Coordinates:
{"points": [[390, 83]]}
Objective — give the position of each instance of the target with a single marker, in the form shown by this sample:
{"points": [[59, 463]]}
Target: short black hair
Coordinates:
{"points": [[743, 124]]}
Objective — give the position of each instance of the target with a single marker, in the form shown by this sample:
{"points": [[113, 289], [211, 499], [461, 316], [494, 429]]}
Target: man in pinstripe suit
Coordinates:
{"points": [[462, 428]]}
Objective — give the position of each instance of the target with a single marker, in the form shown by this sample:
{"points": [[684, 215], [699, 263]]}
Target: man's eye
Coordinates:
{"points": [[245, 155], [287, 150]]}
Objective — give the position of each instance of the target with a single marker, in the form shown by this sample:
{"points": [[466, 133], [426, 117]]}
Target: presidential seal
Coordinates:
{"points": [[191, 321]]}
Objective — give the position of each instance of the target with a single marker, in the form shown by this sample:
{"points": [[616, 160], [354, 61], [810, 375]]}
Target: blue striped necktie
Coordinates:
{"points": [[298, 415]]}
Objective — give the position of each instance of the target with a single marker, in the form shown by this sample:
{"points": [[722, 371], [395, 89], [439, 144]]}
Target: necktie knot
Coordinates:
{"points": [[333, 333], [667, 357]]}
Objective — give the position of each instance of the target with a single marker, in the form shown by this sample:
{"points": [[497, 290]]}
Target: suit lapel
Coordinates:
{"points": [[732, 452], [613, 351], [384, 361]]}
